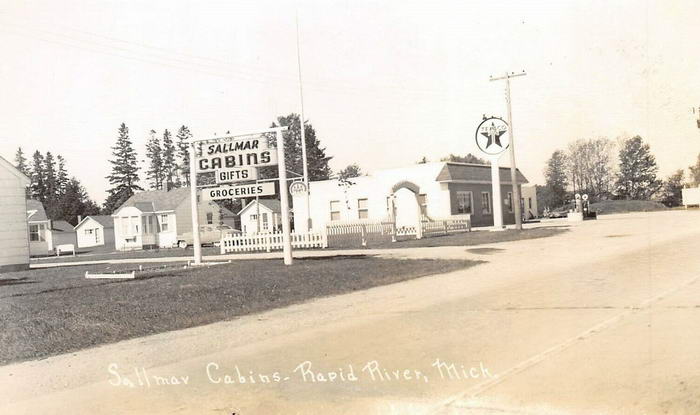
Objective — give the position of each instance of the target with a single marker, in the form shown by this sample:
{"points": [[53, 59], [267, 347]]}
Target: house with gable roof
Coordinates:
{"points": [[14, 232], [159, 218], [95, 230]]}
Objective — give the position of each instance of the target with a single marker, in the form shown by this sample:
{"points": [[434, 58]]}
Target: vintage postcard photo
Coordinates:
{"points": [[301, 207]]}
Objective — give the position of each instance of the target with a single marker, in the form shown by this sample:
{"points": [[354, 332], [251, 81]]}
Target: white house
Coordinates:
{"points": [[159, 218], [14, 231], [431, 190], [95, 230], [40, 230], [529, 198], [261, 217], [691, 196]]}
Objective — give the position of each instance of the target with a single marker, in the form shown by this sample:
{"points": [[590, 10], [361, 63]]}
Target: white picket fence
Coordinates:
{"points": [[271, 242], [344, 235]]}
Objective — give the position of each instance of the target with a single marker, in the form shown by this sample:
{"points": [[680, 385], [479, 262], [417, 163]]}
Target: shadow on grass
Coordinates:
{"points": [[16, 281]]}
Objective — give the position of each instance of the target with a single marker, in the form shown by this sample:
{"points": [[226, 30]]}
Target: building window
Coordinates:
{"points": [[210, 218], [124, 225], [529, 202], [465, 203], [36, 233], [264, 221], [423, 202], [362, 209], [485, 203], [97, 237], [335, 209], [509, 202], [149, 224], [135, 225], [163, 223]]}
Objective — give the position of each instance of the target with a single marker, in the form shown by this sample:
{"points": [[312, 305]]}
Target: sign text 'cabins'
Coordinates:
{"points": [[244, 190], [250, 152], [237, 174]]}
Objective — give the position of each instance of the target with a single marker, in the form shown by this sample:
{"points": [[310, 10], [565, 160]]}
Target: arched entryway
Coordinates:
{"points": [[404, 206]]}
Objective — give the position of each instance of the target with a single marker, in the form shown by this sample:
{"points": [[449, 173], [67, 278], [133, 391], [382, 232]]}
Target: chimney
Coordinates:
{"points": [[80, 218]]}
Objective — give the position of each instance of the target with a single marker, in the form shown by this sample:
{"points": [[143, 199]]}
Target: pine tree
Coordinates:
{"points": [[38, 186], [75, 202], [183, 137], [124, 177], [61, 175], [554, 193], [316, 155], [21, 162], [637, 179], [169, 163], [50, 177], [154, 153]]}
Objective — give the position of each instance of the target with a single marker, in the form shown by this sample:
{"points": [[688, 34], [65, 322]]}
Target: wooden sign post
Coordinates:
{"points": [[234, 158]]}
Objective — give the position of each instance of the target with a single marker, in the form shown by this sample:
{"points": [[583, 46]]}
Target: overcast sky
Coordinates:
{"points": [[385, 82]]}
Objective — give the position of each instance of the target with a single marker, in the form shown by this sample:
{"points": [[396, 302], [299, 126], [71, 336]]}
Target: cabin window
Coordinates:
{"points": [[36, 233], [264, 221], [485, 203], [465, 203], [163, 223], [335, 209], [210, 218], [362, 209], [135, 221]]}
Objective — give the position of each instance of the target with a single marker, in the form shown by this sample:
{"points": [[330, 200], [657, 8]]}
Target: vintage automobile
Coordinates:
{"points": [[208, 235]]}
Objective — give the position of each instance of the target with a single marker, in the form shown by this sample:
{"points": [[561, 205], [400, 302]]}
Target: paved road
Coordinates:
{"points": [[604, 319]]}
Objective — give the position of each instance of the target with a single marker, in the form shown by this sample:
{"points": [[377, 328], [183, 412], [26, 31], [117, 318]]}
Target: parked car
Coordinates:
{"points": [[208, 235], [558, 213]]}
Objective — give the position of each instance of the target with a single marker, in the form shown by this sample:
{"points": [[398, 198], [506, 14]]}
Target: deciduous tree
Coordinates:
{"points": [[671, 192], [352, 170], [636, 178]]}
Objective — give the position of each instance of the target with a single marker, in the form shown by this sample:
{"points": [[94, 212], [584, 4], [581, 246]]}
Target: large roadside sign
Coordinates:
{"points": [[237, 174], [233, 192], [247, 152]]}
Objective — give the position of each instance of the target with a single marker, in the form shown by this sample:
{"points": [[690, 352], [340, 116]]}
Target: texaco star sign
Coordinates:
{"points": [[491, 137]]}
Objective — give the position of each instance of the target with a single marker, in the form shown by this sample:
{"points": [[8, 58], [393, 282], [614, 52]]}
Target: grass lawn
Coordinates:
{"points": [[476, 238], [56, 310], [100, 255], [626, 206]]}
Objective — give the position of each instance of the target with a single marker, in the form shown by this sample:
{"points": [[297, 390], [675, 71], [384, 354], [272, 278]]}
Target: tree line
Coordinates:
{"points": [[590, 166], [63, 197], [167, 161]]}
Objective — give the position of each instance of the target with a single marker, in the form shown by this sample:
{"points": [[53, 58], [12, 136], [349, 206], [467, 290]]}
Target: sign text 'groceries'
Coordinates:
{"points": [[233, 192]]}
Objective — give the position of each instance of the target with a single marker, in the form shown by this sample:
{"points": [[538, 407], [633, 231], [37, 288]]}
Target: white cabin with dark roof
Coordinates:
{"points": [[159, 218]]}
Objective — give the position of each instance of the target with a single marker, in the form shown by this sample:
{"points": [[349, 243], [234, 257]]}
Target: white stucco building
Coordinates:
{"points": [[433, 190]]}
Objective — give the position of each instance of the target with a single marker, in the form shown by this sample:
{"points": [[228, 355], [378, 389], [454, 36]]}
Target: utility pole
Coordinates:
{"points": [[513, 173], [303, 133]]}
